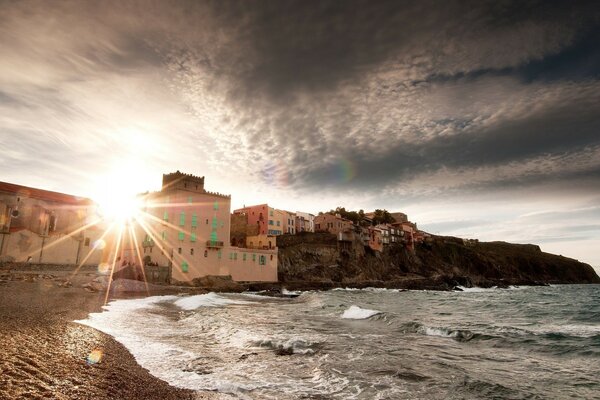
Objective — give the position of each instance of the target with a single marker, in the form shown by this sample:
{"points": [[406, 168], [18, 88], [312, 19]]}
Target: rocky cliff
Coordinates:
{"points": [[320, 261]]}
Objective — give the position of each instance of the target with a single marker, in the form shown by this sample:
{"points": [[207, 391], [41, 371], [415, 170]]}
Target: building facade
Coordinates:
{"points": [[188, 228], [289, 222], [46, 227], [332, 223], [305, 222]]}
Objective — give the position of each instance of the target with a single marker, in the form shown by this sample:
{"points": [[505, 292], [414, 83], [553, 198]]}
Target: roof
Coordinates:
{"points": [[47, 195]]}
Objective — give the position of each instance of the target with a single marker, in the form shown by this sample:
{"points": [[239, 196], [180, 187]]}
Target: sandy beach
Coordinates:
{"points": [[44, 354]]}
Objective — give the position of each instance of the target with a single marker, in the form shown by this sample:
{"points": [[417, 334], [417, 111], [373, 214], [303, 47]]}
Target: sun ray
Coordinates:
{"points": [[114, 262], [163, 222], [65, 237], [153, 235], [137, 249], [106, 232]]}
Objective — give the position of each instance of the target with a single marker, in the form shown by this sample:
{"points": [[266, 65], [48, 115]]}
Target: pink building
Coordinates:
{"points": [[188, 228]]}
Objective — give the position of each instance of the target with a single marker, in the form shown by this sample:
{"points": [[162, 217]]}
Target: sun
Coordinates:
{"points": [[116, 197], [119, 208]]}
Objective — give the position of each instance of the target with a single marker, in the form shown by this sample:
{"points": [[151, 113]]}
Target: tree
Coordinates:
{"points": [[382, 217]]}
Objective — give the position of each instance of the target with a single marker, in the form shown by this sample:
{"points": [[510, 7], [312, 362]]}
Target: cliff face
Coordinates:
{"points": [[319, 260]]}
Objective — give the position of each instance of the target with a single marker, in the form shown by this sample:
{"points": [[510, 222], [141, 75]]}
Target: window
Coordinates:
{"points": [[270, 222], [244, 257], [184, 266], [194, 220], [181, 219], [254, 257], [205, 253], [206, 221], [215, 223], [181, 236], [271, 213], [191, 251], [216, 205], [213, 237], [219, 254], [235, 256], [164, 235], [166, 216], [278, 223], [179, 250], [193, 237], [87, 242], [271, 257], [190, 200], [262, 260]]}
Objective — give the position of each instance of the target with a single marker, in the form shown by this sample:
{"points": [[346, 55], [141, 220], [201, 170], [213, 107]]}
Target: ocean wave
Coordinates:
{"points": [[355, 312], [456, 334], [287, 347], [189, 303]]}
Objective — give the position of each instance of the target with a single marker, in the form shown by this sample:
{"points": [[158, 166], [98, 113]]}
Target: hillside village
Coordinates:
{"points": [[183, 232], [255, 226]]}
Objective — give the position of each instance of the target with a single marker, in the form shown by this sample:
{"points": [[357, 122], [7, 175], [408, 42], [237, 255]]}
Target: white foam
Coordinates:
{"points": [[355, 312], [476, 289], [205, 300], [286, 292]]}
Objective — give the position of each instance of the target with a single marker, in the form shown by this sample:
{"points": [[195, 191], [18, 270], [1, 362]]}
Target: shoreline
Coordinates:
{"points": [[43, 353]]}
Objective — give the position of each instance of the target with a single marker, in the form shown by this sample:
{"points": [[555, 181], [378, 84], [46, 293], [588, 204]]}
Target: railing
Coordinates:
{"points": [[147, 243], [214, 243]]}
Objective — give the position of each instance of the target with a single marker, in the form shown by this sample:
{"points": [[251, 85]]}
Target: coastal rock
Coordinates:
{"points": [[444, 263]]}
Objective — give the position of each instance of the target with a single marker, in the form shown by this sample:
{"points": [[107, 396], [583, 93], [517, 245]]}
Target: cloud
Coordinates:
{"points": [[372, 104]]}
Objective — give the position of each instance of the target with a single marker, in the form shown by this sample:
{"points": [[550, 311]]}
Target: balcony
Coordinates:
{"points": [[148, 243], [214, 243]]}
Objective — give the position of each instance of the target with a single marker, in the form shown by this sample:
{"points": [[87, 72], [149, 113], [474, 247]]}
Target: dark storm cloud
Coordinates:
{"points": [[315, 46], [399, 89]]}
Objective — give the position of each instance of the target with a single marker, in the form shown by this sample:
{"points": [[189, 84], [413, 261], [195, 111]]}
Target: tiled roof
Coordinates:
{"points": [[47, 195]]}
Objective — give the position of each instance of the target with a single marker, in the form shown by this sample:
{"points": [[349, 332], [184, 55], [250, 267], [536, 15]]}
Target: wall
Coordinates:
{"points": [[55, 249]]}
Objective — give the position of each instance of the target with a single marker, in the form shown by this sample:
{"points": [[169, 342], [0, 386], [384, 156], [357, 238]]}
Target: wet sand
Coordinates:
{"points": [[43, 354]]}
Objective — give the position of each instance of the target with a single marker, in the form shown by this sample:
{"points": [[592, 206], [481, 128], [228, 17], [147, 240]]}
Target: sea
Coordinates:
{"points": [[518, 343]]}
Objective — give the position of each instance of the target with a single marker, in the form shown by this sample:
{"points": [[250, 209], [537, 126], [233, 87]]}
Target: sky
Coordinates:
{"points": [[479, 119]]}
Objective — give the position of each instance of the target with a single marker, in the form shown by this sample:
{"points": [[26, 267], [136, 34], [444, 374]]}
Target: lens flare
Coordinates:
{"points": [[346, 170], [103, 268], [94, 357], [99, 244]]}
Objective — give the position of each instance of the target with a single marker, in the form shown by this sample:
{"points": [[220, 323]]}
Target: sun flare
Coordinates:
{"points": [[117, 198]]}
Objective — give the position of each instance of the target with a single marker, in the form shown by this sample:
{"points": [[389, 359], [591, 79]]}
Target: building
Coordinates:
{"points": [[399, 217], [409, 230], [385, 233], [48, 227], [375, 238], [332, 223], [187, 228], [305, 222], [289, 222], [396, 235], [268, 219], [266, 242]]}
